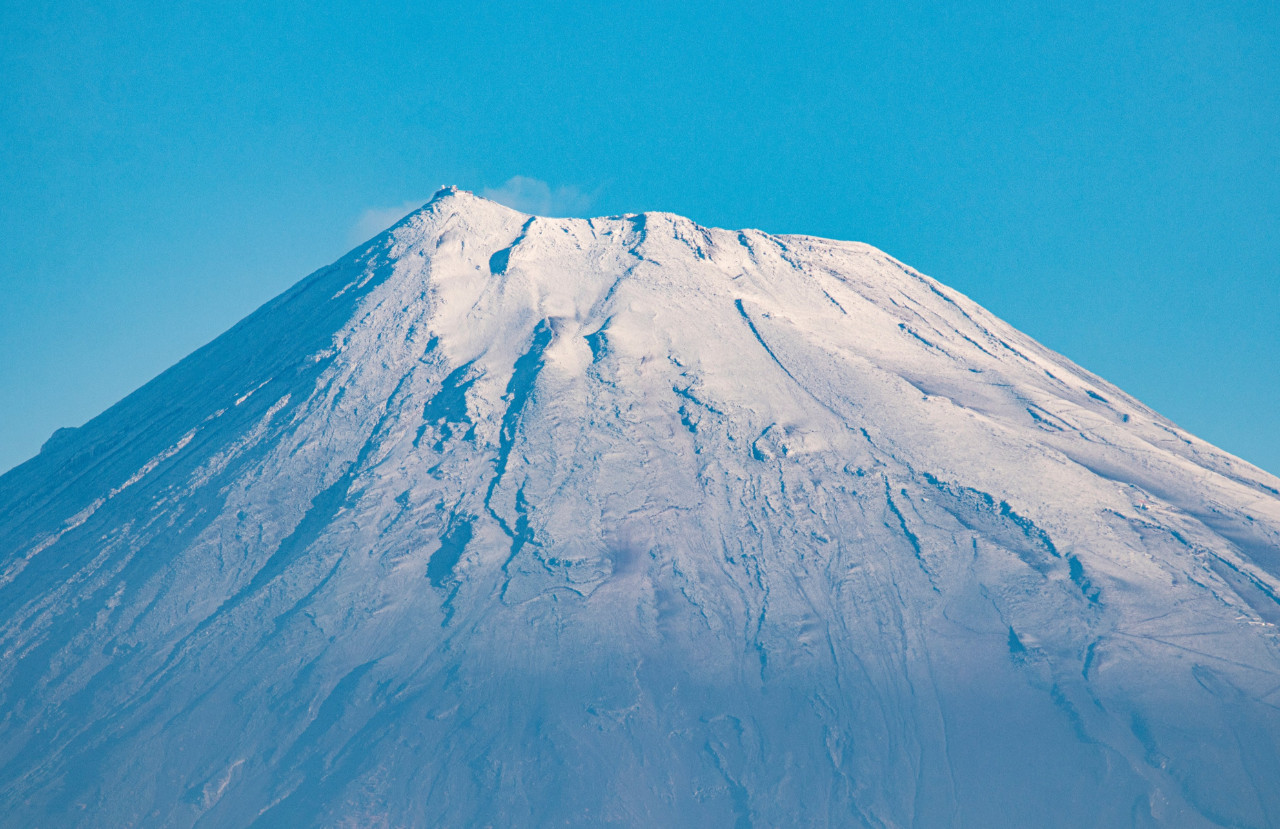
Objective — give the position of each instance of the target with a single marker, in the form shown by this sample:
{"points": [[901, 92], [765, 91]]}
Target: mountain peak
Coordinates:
{"points": [[453, 191], [504, 521], [450, 197]]}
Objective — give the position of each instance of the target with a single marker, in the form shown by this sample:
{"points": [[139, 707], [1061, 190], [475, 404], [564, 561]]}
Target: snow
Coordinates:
{"points": [[517, 521]]}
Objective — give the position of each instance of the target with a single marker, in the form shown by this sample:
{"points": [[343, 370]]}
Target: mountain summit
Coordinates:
{"points": [[512, 521]]}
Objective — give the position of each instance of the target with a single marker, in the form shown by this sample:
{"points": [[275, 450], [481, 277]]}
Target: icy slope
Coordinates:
{"points": [[504, 520]]}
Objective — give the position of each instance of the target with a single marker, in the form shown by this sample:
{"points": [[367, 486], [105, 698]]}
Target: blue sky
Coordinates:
{"points": [[1105, 176]]}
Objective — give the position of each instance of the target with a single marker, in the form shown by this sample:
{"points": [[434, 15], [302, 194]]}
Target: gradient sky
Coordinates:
{"points": [[1105, 176]]}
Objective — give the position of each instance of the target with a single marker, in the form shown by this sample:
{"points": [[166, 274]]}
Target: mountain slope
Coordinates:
{"points": [[504, 520]]}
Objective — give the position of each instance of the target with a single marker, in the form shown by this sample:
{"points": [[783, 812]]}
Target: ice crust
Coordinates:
{"points": [[513, 521]]}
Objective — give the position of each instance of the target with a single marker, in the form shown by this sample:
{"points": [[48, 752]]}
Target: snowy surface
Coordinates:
{"points": [[504, 520]]}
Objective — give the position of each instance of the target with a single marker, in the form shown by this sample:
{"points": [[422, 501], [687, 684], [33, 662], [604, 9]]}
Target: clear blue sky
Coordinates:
{"points": [[1105, 176]]}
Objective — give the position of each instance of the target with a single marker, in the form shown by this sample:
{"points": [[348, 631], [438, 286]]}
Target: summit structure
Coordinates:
{"points": [[513, 521]]}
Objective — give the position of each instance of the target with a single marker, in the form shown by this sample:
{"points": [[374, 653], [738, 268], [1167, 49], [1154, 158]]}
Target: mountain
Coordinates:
{"points": [[512, 521]]}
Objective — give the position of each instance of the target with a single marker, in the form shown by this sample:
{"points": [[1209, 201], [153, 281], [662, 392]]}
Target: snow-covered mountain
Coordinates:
{"points": [[512, 521]]}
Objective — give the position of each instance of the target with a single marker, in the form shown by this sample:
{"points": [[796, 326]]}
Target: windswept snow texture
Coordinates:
{"points": [[512, 521]]}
